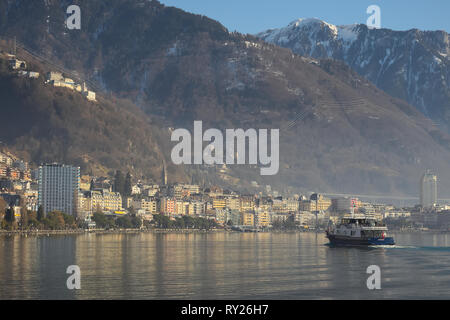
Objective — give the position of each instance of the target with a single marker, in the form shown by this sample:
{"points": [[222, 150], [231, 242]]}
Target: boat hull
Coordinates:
{"points": [[353, 241]]}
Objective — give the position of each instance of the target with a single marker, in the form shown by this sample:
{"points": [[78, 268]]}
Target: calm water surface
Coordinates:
{"points": [[221, 266]]}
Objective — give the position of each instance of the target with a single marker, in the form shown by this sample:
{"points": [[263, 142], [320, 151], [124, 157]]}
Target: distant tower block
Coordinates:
{"points": [[428, 190]]}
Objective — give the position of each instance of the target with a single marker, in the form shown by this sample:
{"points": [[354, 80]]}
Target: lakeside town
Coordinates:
{"points": [[59, 197]]}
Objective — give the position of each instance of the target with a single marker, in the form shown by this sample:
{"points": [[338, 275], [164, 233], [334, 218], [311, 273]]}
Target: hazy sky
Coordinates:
{"points": [[252, 16]]}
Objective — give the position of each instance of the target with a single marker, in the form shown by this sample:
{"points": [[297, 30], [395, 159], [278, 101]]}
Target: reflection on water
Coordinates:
{"points": [[221, 266]]}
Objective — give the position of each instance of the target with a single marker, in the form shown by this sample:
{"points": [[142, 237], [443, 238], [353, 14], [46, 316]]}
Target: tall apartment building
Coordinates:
{"points": [[182, 207], [248, 219], [262, 217], [197, 208], [168, 206], [428, 190], [58, 188]]}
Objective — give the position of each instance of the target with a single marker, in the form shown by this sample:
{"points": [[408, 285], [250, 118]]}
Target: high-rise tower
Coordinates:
{"points": [[58, 188]]}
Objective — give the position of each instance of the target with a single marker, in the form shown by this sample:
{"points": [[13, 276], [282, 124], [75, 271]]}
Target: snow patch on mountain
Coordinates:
{"points": [[348, 33], [412, 65]]}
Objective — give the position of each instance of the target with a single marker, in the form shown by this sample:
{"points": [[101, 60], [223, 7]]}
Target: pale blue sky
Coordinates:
{"points": [[252, 16]]}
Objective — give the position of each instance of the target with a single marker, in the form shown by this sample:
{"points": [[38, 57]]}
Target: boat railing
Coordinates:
{"points": [[381, 228]]}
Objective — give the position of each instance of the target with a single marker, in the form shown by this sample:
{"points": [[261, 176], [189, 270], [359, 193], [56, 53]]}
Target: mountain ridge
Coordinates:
{"points": [[338, 132]]}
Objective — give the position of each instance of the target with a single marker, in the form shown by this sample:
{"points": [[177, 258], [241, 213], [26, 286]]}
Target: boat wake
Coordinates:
{"points": [[413, 247], [394, 247]]}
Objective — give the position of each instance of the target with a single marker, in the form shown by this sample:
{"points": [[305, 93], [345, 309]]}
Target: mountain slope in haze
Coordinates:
{"points": [[338, 132], [411, 65], [46, 124]]}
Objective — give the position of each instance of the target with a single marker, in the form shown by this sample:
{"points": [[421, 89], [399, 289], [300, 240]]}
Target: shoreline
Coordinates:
{"points": [[175, 231], [102, 231]]}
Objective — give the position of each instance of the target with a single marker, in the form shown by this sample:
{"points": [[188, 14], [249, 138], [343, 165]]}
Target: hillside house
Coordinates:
{"points": [[16, 64], [54, 76], [58, 80], [28, 74], [90, 95]]}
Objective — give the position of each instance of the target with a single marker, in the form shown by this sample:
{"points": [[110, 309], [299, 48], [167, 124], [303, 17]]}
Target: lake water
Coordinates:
{"points": [[221, 266]]}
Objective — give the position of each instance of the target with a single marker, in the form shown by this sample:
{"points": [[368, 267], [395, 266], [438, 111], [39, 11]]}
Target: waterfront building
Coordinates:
{"points": [[105, 200], [31, 199], [182, 208], [290, 205], [316, 202], [280, 217], [58, 188], [168, 205], [262, 217], [197, 208], [286, 205], [309, 219], [248, 219], [223, 215], [235, 217]]}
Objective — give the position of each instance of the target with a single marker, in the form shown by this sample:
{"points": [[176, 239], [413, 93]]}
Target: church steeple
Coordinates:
{"points": [[164, 174]]}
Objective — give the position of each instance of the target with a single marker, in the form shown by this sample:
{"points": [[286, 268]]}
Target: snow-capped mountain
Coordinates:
{"points": [[412, 65]]}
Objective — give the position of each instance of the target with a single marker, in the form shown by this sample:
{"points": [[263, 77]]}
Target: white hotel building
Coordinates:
{"points": [[58, 188]]}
